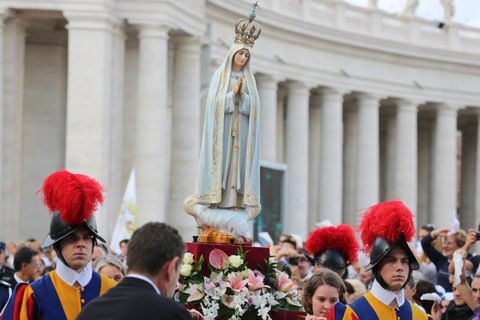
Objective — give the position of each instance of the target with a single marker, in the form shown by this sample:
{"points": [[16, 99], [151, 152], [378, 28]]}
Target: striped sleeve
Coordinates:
{"points": [[27, 305], [341, 312]]}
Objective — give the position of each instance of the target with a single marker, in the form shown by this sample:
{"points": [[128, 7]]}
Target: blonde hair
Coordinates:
{"points": [[113, 261], [358, 288]]}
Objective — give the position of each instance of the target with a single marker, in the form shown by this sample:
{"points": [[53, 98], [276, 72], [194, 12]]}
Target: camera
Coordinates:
{"points": [[293, 261], [478, 235]]}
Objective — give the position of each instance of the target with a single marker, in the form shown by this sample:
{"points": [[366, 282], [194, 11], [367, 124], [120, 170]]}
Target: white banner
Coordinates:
{"points": [[128, 216]]}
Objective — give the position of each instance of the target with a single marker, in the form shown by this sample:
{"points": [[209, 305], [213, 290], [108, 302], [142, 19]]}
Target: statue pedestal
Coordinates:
{"points": [[255, 257], [288, 315]]}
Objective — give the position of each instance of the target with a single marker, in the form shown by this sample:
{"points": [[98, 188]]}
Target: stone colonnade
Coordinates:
{"points": [[345, 148]]}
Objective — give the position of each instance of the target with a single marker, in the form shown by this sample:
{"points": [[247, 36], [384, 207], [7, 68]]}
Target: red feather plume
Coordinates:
{"points": [[76, 196], [340, 238], [388, 220]]}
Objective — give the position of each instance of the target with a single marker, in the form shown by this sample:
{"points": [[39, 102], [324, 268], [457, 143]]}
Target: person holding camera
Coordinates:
{"points": [[466, 292], [451, 242]]}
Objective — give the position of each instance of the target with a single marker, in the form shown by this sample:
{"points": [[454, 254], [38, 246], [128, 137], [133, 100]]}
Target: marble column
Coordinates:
{"points": [[297, 158], [267, 89], [3, 214], [331, 151], [152, 146], [116, 169], [350, 128], [477, 173], [185, 131], [425, 141], [89, 100], [13, 50], [405, 163], [468, 177], [444, 173], [367, 171], [314, 140]]}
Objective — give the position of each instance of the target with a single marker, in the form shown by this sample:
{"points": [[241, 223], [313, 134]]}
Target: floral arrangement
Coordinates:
{"points": [[233, 291]]}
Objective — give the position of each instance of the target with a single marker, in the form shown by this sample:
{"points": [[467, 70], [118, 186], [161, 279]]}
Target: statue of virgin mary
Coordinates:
{"points": [[228, 183]]}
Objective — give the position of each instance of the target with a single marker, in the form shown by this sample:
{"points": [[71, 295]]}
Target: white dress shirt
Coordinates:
{"points": [[71, 276], [142, 277], [387, 296]]}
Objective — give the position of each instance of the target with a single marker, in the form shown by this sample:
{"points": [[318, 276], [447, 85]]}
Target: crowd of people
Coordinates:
{"points": [[72, 274]]}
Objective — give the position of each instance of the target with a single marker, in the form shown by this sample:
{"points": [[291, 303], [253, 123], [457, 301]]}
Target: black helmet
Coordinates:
{"points": [[382, 247], [333, 247], [385, 226], [59, 229], [333, 260], [72, 198]]}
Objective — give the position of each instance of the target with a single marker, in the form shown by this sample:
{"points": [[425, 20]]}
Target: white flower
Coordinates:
{"points": [[186, 270], [235, 261], [210, 312], [263, 312], [188, 258]]}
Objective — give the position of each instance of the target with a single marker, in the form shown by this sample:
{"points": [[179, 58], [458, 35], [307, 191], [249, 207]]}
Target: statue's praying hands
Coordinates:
{"points": [[238, 89]]}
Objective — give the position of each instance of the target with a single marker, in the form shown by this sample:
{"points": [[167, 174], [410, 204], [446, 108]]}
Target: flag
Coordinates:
{"points": [[127, 217], [455, 222]]}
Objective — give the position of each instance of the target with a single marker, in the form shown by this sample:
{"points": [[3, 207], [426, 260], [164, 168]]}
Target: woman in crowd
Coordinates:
{"points": [[322, 291], [457, 308], [441, 260], [112, 267]]}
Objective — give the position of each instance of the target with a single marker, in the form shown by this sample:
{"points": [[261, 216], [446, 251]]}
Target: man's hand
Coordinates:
{"points": [[439, 232], [471, 239], [436, 311]]}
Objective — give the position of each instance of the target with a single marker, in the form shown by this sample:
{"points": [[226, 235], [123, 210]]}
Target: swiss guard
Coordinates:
{"points": [[61, 294], [333, 247], [385, 230]]}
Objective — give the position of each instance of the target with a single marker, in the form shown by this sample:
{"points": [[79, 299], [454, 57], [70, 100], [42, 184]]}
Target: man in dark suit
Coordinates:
{"points": [[155, 253]]}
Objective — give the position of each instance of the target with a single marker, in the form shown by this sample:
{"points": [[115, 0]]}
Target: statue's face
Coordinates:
{"points": [[241, 57]]}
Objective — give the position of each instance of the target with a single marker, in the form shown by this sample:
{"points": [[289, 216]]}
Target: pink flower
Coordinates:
{"points": [[218, 259], [228, 301], [255, 282], [283, 283], [236, 281]]}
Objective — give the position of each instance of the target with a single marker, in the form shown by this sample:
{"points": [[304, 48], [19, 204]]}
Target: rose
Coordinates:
{"points": [[188, 258], [186, 270], [235, 261]]}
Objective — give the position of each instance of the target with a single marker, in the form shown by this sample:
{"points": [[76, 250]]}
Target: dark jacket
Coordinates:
{"points": [[6, 274], [455, 312], [133, 298], [439, 260]]}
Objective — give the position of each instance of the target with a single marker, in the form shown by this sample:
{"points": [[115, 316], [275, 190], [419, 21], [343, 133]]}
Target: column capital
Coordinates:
{"points": [[266, 80], [297, 86], [119, 29], [407, 104], [369, 99], [6, 13], [188, 43], [445, 108], [90, 20], [332, 92], [153, 30]]}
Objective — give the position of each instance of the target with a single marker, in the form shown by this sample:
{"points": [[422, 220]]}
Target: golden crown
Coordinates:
{"points": [[246, 29]]}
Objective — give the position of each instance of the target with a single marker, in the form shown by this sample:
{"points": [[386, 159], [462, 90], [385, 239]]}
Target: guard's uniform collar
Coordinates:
{"points": [[70, 276], [387, 296]]}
